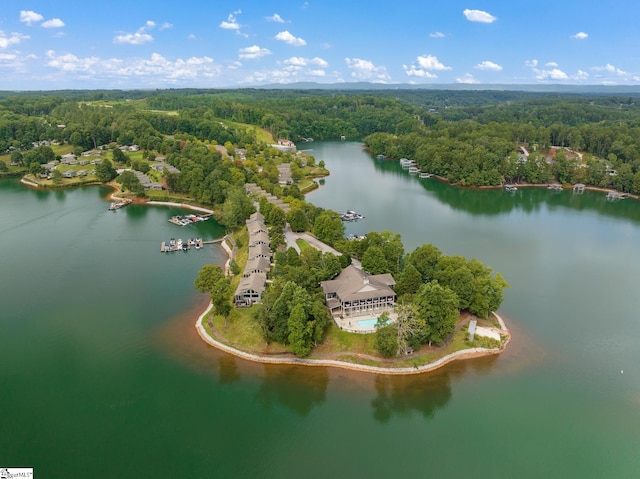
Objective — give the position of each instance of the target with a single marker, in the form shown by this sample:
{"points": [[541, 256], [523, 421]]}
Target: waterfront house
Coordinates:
{"points": [[256, 265], [250, 289], [356, 293], [259, 251]]}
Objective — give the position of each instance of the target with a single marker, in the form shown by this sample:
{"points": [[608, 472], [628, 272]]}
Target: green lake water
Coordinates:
{"points": [[102, 374]]}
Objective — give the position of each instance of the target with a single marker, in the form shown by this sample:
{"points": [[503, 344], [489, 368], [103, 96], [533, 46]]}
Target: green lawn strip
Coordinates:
{"points": [[303, 244], [242, 330], [307, 185], [337, 341]]}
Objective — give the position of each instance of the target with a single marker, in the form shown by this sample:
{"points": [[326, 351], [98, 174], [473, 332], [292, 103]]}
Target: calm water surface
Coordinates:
{"points": [[102, 374]]}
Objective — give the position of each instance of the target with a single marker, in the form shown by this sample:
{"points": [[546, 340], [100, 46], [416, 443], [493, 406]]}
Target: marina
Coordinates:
{"points": [[116, 205], [179, 245], [184, 220], [351, 215]]}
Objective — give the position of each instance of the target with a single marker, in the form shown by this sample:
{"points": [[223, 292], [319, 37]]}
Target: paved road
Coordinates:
{"points": [[291, 237]]}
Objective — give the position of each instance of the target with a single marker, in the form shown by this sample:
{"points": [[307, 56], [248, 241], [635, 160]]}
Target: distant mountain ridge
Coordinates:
{"points": [[550, 88]]}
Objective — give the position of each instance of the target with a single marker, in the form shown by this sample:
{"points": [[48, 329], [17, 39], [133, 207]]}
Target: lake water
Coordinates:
{"points": [[102, 373]]}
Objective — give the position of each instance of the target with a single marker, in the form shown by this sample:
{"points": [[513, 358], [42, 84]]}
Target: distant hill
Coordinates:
{"points": [[542, 88]]}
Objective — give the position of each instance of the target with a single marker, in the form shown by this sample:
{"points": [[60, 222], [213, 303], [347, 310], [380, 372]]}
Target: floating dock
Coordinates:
{"points": [[184, 220], [116, 205], [179, 245]]}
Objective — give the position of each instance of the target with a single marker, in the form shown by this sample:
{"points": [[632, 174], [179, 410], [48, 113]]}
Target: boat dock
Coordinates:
{"points": [[616, 195], [116, 205], [179, 245], [184, 220], [351, 215]]}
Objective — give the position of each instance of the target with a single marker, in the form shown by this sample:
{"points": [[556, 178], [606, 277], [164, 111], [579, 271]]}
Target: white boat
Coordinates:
{"points": [[425, 175]]}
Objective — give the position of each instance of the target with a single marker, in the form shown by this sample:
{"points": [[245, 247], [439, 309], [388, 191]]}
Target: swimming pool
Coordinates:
{"points": [[369, 323]]}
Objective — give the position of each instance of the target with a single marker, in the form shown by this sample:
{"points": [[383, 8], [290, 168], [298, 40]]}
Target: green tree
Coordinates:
{"points": [[328, 227], [386, 340], [105, 171], [56, 176], [16, 157], [237, 208], [297, 219], [300, 331], [35, 168], [437, 307], [425, 259], [409, 280], [374, 261], [211, 279]]}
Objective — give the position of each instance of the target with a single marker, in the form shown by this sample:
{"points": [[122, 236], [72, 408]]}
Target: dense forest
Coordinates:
{"points": [[467, 137]]}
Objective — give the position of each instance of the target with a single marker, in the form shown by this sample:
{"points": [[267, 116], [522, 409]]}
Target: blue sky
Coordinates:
{"points": [[218, 43]]}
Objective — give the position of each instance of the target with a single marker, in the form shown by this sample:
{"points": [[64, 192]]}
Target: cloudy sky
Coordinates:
{"points": [[49, 44]]}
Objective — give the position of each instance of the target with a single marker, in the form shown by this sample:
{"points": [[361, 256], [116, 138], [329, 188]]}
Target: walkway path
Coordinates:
{"points": [[328, 362]]}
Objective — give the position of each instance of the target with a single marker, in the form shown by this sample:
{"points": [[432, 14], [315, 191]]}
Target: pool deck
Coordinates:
{"points": [[351, 323]]}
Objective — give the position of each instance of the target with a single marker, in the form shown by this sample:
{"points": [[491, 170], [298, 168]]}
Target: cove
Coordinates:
{"points": [[102, 370]]}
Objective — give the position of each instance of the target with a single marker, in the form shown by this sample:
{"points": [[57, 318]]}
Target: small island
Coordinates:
{"points": [[359, 304], [295, 289]]}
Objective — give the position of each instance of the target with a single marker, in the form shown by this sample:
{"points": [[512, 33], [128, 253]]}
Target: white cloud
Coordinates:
{"points": [[319, 62], [253, 52], [479, 16], [531, 63], [551, 64], [366, 70], [301, 61], [487, 65], [553, 74], [231, 23], [191, 36], [430, 62], [166, 25], [29, 16], [581, 75], [290, 39], [138, 38], [317, 73], [436, 35], [153, 70], [53, 23], [275, 18], [466, 78], [412, 71], [7, 56], [13, 39], [298, 61], [615, 70], [580, 36]]}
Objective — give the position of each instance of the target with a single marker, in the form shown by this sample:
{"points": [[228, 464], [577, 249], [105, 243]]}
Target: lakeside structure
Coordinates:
{"points": [[254, 278], [355, 292]]}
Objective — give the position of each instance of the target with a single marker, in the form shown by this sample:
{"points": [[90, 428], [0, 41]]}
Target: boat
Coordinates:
{"points": [[198, 243], [116, 205], [380, 157], [184, 220], [351, 215], [414, 170], [425, 175], [555, 187], [510, 188]]}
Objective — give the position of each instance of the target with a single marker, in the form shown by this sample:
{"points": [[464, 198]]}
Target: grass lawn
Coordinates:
{"points": [[303, 244], [242, 330]]}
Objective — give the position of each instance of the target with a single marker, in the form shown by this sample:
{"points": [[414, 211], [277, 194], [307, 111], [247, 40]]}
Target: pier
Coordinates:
{"points": [[180, 245]]}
